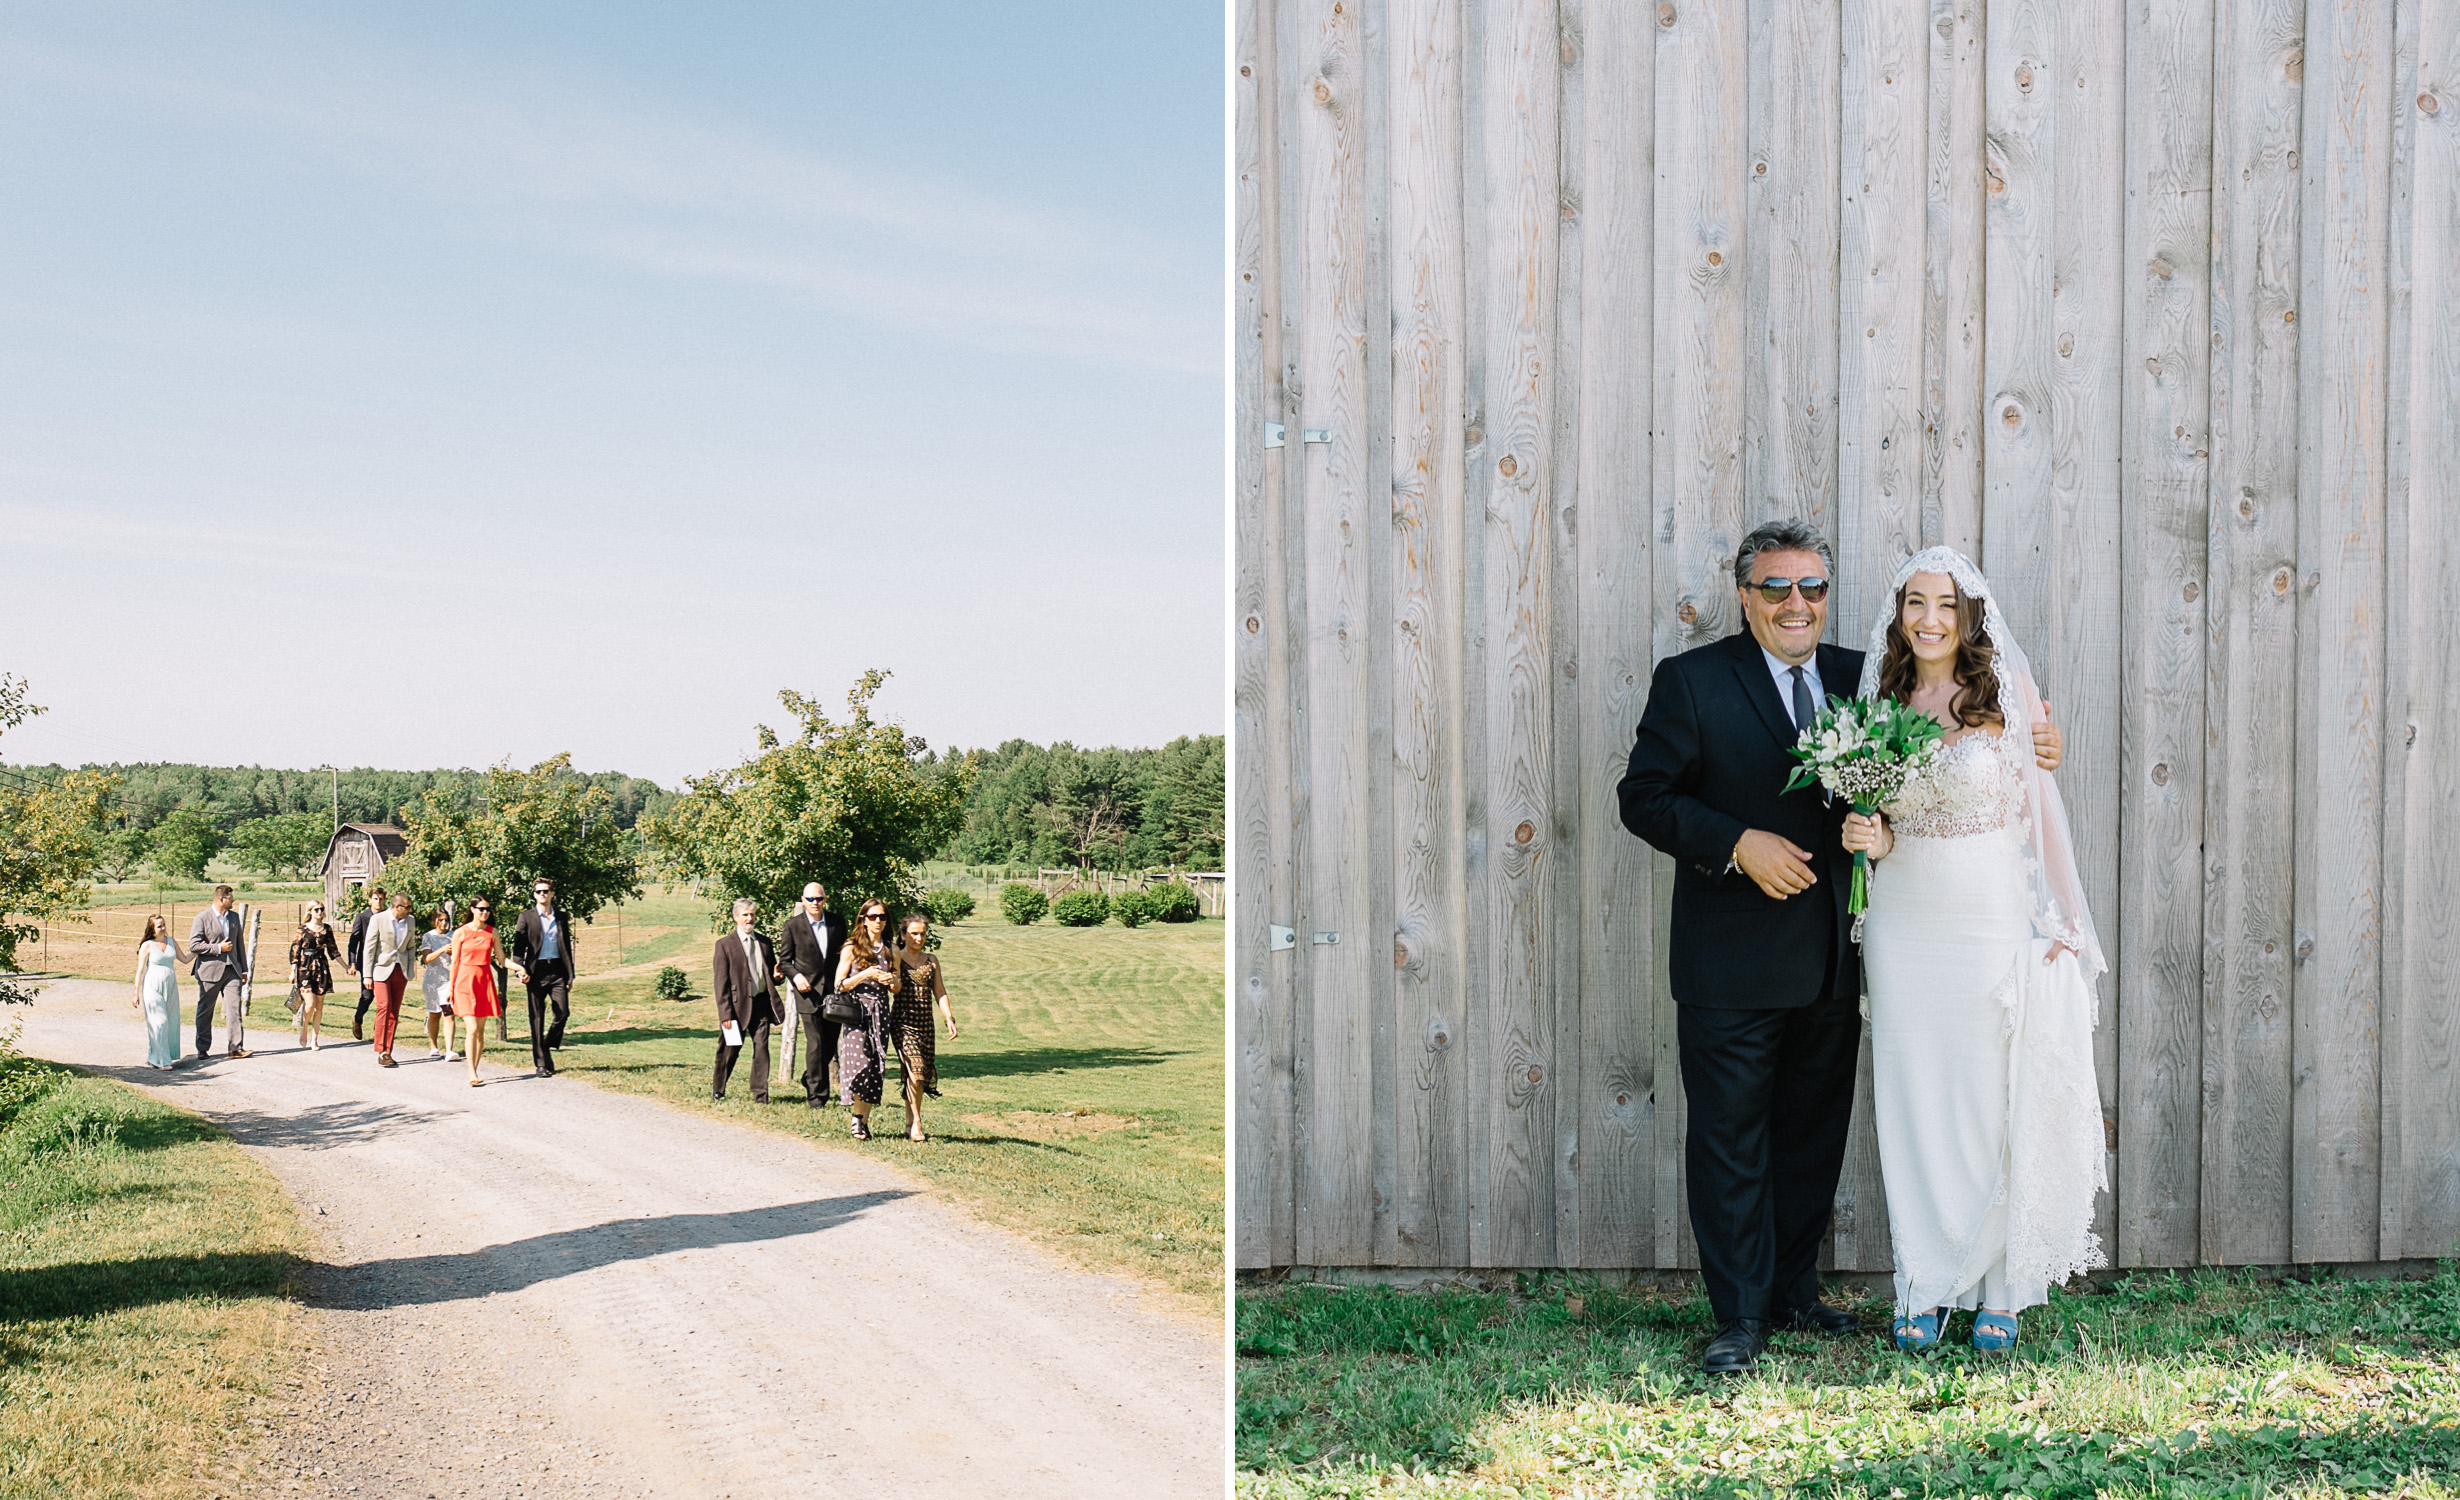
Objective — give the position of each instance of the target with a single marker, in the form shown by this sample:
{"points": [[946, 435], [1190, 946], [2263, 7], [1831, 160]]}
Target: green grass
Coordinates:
{"points": [[1084, 1098], [2199, 1385], [146, 1267]]}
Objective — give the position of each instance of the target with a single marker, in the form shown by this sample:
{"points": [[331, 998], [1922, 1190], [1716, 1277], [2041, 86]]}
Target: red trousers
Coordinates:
{"points": [[388, 1009]]}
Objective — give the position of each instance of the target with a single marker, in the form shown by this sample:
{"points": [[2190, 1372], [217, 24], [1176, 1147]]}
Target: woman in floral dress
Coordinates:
{"points": [[919, 983]]}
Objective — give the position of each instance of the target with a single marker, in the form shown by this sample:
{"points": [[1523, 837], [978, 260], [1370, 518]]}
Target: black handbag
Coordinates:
{"points": [[842, 1008]]}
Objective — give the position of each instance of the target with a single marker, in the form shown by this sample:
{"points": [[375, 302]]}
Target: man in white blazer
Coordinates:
{"points": [[392, 942]]}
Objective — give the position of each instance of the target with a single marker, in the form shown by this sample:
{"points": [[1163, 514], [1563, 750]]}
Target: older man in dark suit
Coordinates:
{"points": [[807, 949], [745, 983], [1767, 984], [218, 960]]}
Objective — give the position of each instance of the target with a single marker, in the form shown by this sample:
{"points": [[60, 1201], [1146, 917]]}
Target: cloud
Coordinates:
{"points": [[568, 165]]}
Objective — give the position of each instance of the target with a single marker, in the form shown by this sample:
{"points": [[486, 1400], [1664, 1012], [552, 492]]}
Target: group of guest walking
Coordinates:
{"points": [[853, 992], [457, 967]]}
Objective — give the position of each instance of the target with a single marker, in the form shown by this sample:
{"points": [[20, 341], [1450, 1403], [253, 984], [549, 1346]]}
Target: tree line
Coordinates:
{"points": [[1111, 809]]}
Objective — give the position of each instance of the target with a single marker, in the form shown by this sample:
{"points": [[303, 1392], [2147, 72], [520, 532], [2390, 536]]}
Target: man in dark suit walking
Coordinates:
{"points": [[1767, 985], [745, 983], [542, 959], [356, 957], [807, 949]]}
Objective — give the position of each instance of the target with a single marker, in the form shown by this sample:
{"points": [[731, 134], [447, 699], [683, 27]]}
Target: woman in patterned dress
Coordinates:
{"points": [[865, 971], [918, 984], [472, 981], [311, 965]]}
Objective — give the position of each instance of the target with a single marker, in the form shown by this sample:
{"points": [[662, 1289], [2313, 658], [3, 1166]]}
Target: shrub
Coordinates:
{"points": [[1132, 908], [1023, 904], [671, 984], [948, 906], [1082, 909], [1175, 901]]}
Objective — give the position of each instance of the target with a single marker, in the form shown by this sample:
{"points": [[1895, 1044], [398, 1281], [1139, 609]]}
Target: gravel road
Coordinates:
{"points": [[539, 1288]]}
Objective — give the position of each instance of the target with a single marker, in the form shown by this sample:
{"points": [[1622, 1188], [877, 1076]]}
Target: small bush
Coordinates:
{"points": [[672, 985], [1082, 909], [948, 906], [1132, 908], [1175, 901], [1023, 904]]}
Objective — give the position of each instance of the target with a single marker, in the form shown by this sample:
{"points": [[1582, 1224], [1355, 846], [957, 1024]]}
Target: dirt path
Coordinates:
{"points": [[541, 1288]]}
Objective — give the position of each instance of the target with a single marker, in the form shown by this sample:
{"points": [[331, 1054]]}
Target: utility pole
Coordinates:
{"points": [[337, 797]]}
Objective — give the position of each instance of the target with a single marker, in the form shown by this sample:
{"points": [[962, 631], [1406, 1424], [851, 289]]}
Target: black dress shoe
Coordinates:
{"points": [[1737, 1347], [1818, 1317]]}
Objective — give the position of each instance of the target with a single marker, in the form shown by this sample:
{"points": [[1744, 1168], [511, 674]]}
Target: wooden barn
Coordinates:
{"points": [[358, 854], [1541, 304]]}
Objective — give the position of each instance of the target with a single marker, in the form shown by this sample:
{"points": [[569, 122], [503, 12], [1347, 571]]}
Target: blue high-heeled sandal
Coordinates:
{"points": [[1917, 1332], [1994, 1333]]}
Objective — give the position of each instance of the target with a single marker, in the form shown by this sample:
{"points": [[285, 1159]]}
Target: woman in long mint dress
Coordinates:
{"points": [[157, 996]]}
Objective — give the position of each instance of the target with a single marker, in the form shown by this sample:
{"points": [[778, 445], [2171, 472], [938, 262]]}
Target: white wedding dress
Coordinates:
{"points": [[1989, 1119]]}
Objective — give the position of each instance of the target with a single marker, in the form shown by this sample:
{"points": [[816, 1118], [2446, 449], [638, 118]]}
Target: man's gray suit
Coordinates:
{"points": [[217, 957]]}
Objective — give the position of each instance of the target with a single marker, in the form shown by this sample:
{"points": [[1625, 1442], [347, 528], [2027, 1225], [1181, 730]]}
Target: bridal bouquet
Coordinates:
{"points": [[1865, 752]]}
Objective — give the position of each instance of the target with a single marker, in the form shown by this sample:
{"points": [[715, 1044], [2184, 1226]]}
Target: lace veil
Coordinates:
{"points": [[2051, 872]]}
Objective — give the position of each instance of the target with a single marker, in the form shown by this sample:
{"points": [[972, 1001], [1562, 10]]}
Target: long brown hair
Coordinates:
{"points": [[866, 952], [1977, 680], [153, 924]]}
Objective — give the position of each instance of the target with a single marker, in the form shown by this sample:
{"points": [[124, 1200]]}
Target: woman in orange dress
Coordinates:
{"points": [[472, 985]]}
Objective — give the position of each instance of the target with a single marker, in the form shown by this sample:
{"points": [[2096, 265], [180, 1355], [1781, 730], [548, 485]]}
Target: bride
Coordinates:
{"points": [[1981, 960]]}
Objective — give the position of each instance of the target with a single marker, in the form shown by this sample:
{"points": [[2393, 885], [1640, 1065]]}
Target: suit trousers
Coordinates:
{"points": [[550, 993], [756, 1037], [1769, 1095], [819, 1057], [223, 992]]}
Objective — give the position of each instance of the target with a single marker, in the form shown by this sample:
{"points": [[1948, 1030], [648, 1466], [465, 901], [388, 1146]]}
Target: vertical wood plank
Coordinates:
{"points": [[1955, 235], [1374, 531], [1790, 297], [2427, 743], [2250, 694], [1883, 189], [2167, 364], [1610, 675], [1431, 1203], [1520, 144], [1570, 1065], [2391, 1199], [2081, 655], [1260, 717], [2337, 979], [1336, 1010]]}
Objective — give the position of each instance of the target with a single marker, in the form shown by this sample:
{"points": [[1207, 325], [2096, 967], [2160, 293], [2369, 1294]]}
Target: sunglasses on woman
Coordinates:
{"points": [[1774, 590]]}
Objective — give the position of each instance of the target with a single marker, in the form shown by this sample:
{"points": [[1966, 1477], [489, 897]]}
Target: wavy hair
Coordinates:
{"points": [[1977, 679]]}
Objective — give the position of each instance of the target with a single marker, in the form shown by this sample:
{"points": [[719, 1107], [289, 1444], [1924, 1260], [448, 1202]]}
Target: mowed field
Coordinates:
{"points": [[1084, 1099]]}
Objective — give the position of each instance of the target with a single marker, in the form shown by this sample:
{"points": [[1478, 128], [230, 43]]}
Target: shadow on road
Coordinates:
{"points": [[89, 1288]]}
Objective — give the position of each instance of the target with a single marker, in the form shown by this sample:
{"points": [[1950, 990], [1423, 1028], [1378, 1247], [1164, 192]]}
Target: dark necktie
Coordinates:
{"points": [[1802, 700]]}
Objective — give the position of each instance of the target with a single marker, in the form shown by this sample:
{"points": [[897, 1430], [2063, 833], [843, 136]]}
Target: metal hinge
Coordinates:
{"points": [[1278, 937]]}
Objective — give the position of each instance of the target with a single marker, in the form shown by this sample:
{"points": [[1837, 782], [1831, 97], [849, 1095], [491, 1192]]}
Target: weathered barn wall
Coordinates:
{"points": [[1540, 304]]}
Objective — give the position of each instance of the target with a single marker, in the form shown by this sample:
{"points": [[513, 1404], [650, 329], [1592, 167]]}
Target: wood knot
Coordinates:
{"points": [[1254, 625], [1400, 953], [1536, 1074], [2246, 510], [1665, 15], [1622, 1100], [2193, 591], [2161, 267], [1474, 436], [1715, 259], [1323, 91], [1688, 614], [2268, 947], [2161, 774], [2293, 66], [2012, 416], [1759, 169], [2280, 580], [2152, 367], [2067, 345], [2290, 316], [1524, 833], [2024, 77], [2427, 104], [1509, 467]]}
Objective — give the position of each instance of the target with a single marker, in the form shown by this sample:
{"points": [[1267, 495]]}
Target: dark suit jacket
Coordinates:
{"points": [[1708, 764], [799, 953], [358, 939], [736, 988], [528, 937]]}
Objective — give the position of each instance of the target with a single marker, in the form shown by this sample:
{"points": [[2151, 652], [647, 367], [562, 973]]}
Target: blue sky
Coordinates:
{"points": [[426, 384]]}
